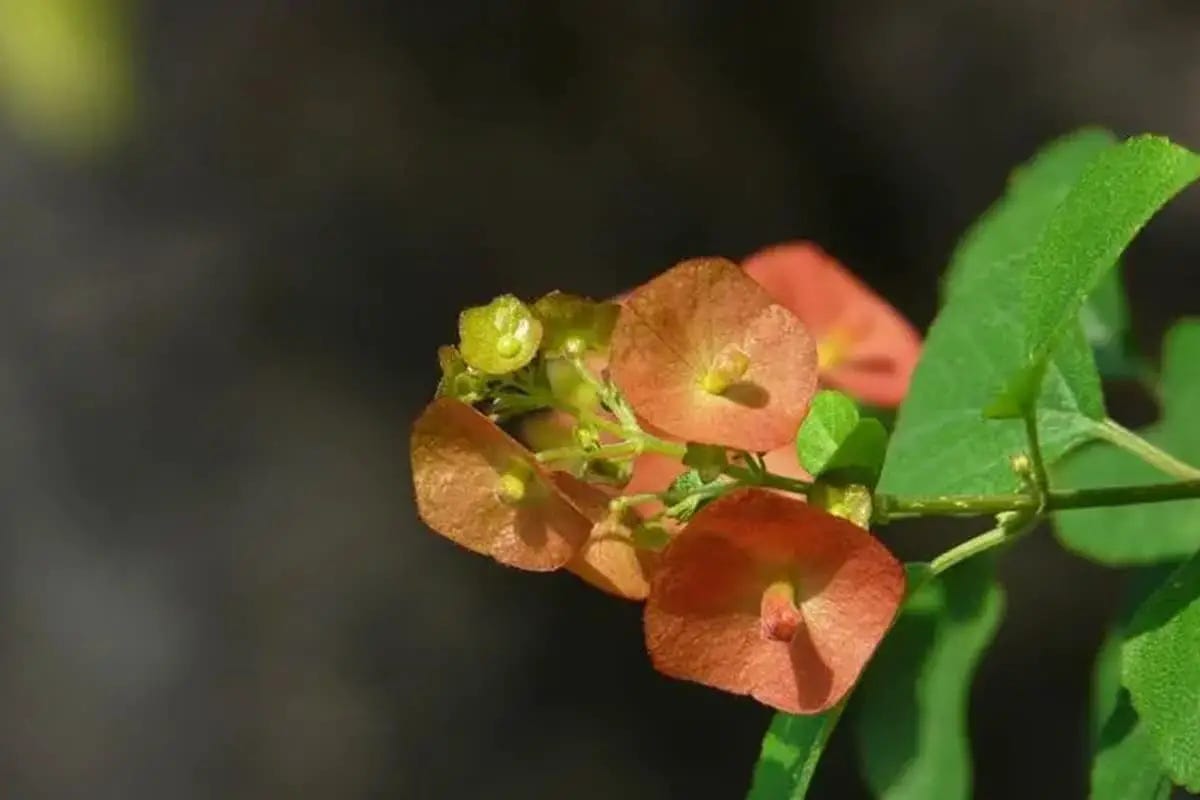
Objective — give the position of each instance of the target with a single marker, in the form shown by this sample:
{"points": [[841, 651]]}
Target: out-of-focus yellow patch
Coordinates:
{"points": [[67, 74]]}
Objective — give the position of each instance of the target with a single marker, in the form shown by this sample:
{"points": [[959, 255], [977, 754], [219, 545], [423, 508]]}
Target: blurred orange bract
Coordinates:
{"points": [[865, 347]]}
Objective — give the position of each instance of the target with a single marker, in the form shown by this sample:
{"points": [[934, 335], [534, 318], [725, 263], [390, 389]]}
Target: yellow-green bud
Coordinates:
{"points": [[499, 338], [511, 488]]}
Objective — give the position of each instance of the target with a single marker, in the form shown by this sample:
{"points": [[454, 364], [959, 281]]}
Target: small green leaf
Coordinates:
{"points": [[686, 495], [1160, 667], [861, 456], [912, 712], [791, 751], [942, 443], [686, 484], [837, 442], [831, 418], [1142, 534], [1114, 198]]}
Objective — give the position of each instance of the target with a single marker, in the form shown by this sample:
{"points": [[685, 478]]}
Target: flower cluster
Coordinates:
{"points": [[647, 445]]}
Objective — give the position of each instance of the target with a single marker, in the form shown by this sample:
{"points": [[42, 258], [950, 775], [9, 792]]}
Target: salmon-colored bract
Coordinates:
{"points": [[866, 348], [767, 596], [610, 559], [479, 487], [705, 354]]}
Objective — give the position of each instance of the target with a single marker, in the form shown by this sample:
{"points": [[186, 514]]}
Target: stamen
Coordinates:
{"points": [[511, 488], [727, 369], [778, 613]]}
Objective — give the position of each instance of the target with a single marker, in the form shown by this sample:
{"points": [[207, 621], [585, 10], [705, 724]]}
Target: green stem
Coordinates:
{"points": [[1127, 440], [769, 480], [1007, 531], [890, 507], [621, 451], [1040, 478]]}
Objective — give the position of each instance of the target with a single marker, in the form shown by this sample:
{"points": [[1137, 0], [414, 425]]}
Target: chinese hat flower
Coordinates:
{"points": [[767, 596], [865, 347], [479, 487], [705, 354]]}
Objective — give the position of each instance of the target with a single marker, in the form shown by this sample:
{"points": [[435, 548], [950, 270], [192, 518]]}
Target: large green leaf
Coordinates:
{"points": [[1142, 534], [1125, 765], [1035, 189], [912, 703], [791, 751], [942, 443], [1160, 666], [1106, 326], [1117, 194]]}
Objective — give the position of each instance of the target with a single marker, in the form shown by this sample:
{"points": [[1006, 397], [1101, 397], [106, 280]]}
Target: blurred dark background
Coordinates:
{"points": [[232, 234]]}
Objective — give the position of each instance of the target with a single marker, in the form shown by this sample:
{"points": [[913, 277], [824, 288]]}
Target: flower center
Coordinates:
{"points": [[727, 369], [511, 488], [778, 613], [832, 350]]}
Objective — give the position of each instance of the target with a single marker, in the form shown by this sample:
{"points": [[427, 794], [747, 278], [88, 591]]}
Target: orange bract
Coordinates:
{"points": [[479, 487], [866, 347], [705, 354], [609, 560], [767, 596]]}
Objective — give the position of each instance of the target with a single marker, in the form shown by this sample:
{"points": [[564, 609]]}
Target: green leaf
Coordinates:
{"points": [[912, 712], [1117, 194], [942, 443], [791, 751], [1125, 766], [1141, 534], [687, 483], [1160, 666], [686, 495], [836, 441], [1034, 190], [1106, 326], [831, 418]]}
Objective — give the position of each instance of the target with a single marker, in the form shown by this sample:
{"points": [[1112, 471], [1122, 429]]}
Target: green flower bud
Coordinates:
{"points": [[459, 380], [567, 385], [574, 325], [510, 488], [851, 502], [499, 338]]}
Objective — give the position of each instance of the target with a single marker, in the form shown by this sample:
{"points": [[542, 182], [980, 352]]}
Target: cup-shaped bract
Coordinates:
{"points": [[610, 559], [499, 338], [865, 347], [573, 325], [767, 596], [706, 355], [479, 487]]}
